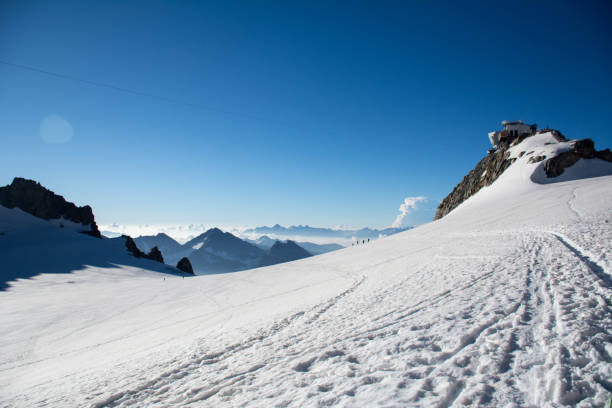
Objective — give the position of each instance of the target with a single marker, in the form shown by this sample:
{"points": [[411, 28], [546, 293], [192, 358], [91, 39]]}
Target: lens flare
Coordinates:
{"points": [[56, 130]]}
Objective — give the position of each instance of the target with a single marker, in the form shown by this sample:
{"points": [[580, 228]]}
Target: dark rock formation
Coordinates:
{"points": [[185, 266], [132, 248], [155, 255], [555, 166], [604, 155], [582, 149], [31, 197], [485, 173], [172, 250]]}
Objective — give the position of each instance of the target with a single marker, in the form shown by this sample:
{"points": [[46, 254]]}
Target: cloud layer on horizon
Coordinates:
{"points": [[183, 233]]}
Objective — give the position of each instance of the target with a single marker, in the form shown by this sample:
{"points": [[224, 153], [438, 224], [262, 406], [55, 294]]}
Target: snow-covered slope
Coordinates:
{"points": [[30, 246], [503, 302]]}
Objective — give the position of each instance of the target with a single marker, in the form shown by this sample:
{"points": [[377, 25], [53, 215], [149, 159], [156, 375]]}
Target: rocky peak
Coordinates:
{"points": [[214, 232], [499, 159], [185, 265], [155, 255], [31, 197]]}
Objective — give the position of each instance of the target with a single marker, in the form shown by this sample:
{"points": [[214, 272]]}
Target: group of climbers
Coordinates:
{"points": [[363, 242]]}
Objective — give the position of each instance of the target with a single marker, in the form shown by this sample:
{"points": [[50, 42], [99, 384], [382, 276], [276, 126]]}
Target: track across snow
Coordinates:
{"points": [[500, 305]]}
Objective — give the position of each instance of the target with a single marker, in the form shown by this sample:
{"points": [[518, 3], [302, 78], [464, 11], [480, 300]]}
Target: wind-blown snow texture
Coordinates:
{"points": [[503, 302]]}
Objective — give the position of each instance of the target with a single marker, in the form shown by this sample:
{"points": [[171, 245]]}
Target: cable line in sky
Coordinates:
{"points": [[152, 96]]}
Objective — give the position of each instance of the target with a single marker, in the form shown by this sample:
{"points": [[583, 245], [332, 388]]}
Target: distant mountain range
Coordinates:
{"points": [[265, 242], [216, 251], [308, 231], [283, 252]]}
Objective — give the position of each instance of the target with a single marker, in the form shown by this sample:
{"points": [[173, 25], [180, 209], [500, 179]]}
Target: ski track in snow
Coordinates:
{"points": [[525, 333], [483, 308]]}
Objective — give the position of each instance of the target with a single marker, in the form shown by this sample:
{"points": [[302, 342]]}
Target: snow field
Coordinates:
{"points": [[506, 301]]}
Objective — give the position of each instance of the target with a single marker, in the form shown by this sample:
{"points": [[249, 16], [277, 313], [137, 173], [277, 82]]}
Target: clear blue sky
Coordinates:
{"points": [[323, 113]]}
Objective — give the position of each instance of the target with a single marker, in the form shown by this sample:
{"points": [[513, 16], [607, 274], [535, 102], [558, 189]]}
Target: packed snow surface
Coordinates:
{"points": [[506, 301]]}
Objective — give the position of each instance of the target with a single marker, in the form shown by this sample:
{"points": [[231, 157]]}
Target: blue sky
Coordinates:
{"points": [[320, 113]]}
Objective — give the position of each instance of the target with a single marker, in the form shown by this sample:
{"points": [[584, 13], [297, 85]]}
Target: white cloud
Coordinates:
{"points": [[182, 233], [409, 204]]}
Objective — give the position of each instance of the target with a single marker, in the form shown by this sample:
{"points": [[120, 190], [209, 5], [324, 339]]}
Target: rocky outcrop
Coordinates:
{"points": [[154, 255], [485, 173], [605, 155], [132, 248], [498, 160], [31, 197], [582, 149], [185, 266]]}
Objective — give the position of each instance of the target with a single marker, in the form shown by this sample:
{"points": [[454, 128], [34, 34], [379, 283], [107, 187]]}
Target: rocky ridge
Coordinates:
{"points": [[33, 198], [154, 254], [486, 172], [498, 160]]}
